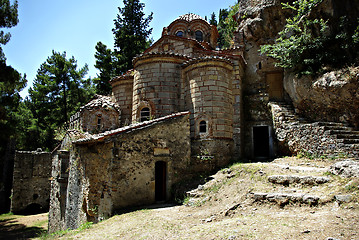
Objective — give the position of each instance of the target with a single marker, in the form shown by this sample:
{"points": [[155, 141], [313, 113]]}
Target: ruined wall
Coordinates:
{"points": [[259, 23], [105, 176], [59, 180], [31, 182]]}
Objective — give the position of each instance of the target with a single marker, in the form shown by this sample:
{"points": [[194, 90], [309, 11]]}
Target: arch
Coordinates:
{"points": [[99, 121], [203, 127], [145, 114], [199, 35], [179, 33]]}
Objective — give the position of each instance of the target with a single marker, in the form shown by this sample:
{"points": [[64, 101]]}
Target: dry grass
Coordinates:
{"points": [[226, 210]]}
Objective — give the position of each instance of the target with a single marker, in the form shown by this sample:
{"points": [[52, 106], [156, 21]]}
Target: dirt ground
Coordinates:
{"points": [[22, 227], [224, 208]]}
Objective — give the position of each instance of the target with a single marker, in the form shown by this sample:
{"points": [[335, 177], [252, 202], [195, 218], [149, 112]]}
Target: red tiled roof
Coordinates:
{"points": [[98, 137]]}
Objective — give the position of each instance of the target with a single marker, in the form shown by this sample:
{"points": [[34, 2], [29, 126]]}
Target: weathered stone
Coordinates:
{"points": [[348, 168], [31, 185], [289, 179], [343, 198]]}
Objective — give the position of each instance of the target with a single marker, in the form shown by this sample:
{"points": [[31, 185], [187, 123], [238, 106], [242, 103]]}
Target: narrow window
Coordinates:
{"points": [[179, 34], [199, 36], [202, 126], [145, 114], [99, 122]]}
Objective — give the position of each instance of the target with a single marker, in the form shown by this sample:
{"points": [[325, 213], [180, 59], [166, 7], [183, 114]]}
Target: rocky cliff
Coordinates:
{"points": [[333, 96]]}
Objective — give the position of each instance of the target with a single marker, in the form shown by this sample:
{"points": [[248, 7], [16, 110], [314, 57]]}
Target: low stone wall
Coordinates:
{"points": [[312, 138], [31, 182]]}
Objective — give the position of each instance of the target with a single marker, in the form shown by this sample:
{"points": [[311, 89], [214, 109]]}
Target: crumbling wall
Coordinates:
{"points": [[59, 182], [119, 170], [31, 182]]}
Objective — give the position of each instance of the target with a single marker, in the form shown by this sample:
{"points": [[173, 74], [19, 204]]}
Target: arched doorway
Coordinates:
{"points": [[160, 180]]}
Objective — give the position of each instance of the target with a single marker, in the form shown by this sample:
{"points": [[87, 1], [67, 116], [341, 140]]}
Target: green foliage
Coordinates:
{"points": [[104, 63], [213, 20], [8, 19], [306, 46], [227, 26], [222, 25], [131, 34], [58, 91], [11, 81]]}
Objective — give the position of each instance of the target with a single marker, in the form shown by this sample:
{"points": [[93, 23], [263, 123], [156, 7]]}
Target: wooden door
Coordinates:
{"points": [[275, 86]]}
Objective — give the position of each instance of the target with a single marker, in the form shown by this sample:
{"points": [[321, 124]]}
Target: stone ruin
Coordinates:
{"points": [[185, 108]]}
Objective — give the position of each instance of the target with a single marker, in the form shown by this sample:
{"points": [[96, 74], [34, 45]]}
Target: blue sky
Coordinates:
{"points": [[75, 26]]}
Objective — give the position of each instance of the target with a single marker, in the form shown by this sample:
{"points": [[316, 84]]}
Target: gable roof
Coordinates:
{"points": [[101, 136]]}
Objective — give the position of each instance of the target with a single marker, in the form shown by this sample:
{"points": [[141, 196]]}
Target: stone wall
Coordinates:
{"points": [[122, 91], [157, 85], [118, 170], [31, 182], [317, 139], [59, 181], [171, 44], [208, 96]]}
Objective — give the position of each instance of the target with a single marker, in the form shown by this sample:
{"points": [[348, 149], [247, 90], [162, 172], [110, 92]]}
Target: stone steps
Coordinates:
{"points": [[304, 180], [285, 198], [343, 133]]}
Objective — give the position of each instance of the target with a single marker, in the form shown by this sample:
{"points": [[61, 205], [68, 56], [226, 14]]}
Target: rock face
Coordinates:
{"points": [[331, 97]]}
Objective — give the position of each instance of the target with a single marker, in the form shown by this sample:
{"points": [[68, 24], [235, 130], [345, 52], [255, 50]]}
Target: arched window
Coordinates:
{"points": [[179, 34], [199, 36], [99, 118], [202, 126], [145, 114]]}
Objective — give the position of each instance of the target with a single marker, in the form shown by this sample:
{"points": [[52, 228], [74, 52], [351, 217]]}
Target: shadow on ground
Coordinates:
{"points": [[11, 229]]}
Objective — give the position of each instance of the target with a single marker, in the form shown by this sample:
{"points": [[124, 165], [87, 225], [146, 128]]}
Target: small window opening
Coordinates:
{"points": [[145, 114], [179, 34], [260, 65], [98, 121], [203, 127], [199, 36]]}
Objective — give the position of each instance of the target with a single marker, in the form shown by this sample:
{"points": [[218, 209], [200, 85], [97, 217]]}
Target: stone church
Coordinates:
{"points": [[186, 107]]}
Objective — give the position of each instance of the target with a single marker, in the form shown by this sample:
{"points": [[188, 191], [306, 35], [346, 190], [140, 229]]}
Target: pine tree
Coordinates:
{"points": [[58, 91], [105, 63], [213, 20], [131, 34], [222, 26], [8, 19], [11, 81]]}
